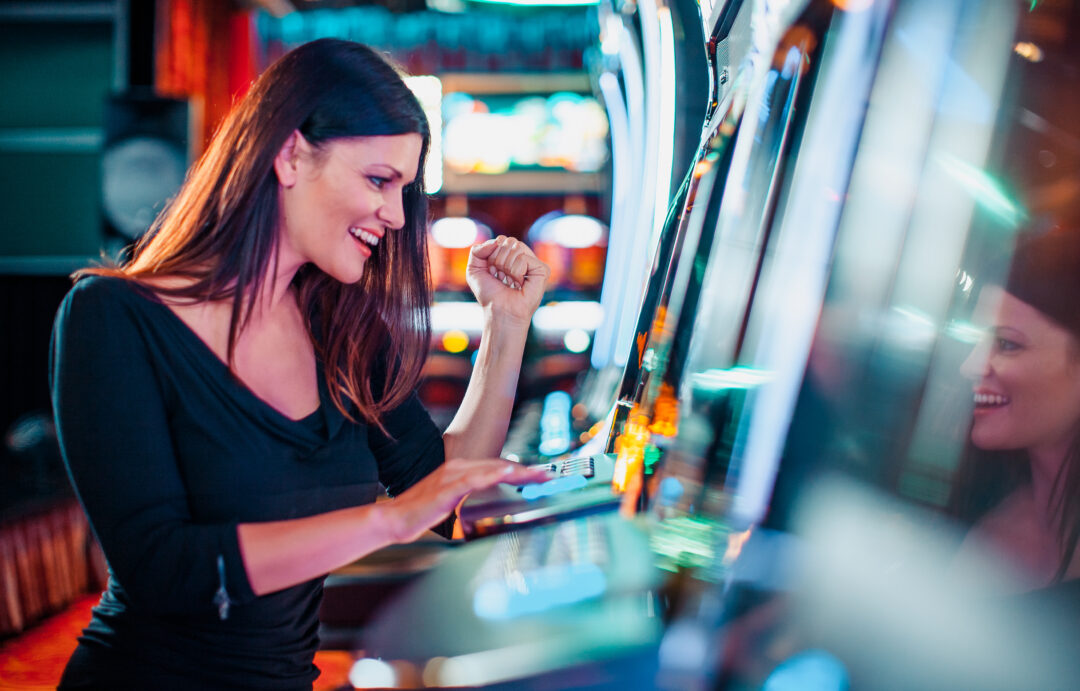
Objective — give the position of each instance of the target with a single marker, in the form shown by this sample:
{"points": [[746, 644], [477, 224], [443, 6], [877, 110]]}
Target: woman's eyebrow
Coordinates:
{"points": [[394, 172], [1005, 329]]}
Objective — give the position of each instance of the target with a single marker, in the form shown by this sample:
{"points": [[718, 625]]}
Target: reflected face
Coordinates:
{"points": [[337, 203], [1027, 378]]}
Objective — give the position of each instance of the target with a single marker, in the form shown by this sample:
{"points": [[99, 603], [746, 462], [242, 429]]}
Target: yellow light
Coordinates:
{"points": [[455, 341], [1029, 51]]}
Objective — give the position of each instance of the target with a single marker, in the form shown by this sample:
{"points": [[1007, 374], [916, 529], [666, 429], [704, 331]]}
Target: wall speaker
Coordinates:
{"points": [[146, 156]]}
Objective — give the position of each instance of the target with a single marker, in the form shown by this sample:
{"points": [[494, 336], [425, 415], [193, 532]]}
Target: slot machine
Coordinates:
{"points": [[590, 598], [684, 243], [842, 561], [819, 346], [655, 121]]}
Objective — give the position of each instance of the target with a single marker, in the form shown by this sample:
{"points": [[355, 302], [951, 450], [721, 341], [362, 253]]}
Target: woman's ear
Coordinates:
{"points": [[286, 163]]}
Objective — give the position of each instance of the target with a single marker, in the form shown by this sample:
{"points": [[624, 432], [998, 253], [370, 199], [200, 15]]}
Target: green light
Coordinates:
{"points": [[652, 455], [686, 542]]}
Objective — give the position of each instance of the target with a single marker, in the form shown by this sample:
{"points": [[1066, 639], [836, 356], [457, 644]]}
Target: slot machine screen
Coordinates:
{"points": [[493, 134]]}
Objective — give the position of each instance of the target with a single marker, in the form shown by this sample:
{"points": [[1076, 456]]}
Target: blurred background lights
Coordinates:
{"points": [[612, 27], [532, 591], [576, 231], [585, 314], [810, 669], [1029, 51], [463, 316], [987, 192], [455, 231], [538, 3], [428, 90], [455, 341], [965, 332], [734, 378], [496, 133], [576, 340], [369, 673]]}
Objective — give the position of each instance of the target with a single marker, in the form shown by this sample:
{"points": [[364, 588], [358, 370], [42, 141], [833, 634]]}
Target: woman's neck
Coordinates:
{"points": [[1046, 463]]}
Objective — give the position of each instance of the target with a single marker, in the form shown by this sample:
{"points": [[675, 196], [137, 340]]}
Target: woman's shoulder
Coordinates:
{"points": [[94, 287], [100, 299]]}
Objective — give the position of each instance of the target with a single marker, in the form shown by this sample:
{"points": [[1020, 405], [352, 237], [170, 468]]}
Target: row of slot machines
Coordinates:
{"points": [[764, 508]]}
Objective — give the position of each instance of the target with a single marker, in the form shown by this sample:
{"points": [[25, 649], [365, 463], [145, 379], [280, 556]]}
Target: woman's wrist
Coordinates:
{"points": [[388, 521], [498, 321]]}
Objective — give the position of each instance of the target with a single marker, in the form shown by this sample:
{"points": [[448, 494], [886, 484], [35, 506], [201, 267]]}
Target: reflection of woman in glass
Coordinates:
{"points": [[1025, 494]]}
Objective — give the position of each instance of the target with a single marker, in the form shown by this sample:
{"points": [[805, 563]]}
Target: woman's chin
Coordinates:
{"points": [[991, 442]]}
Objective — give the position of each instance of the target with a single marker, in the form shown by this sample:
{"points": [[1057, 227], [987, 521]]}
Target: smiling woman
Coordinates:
{"points": [[229, 400], [1026, 426], [337, 204]]}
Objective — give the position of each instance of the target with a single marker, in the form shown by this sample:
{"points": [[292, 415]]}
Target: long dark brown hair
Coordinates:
{"points": [[221, 230], [1044, 272]]}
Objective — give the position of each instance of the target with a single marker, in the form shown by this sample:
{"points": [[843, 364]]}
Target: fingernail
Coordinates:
{"points": [[492, 271]]}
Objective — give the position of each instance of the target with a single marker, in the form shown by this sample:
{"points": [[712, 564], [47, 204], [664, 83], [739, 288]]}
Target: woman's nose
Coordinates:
{"points": [[392, 212], [977, 364]]}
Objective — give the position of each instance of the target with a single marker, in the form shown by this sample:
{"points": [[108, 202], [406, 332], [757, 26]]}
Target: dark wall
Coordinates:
{"points": [[54, 77]]}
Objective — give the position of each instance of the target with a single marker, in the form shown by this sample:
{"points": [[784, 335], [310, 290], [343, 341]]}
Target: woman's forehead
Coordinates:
{"points": [[401, 152]]}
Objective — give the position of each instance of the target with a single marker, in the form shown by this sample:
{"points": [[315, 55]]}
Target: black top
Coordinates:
{"points": [[168, 452]]}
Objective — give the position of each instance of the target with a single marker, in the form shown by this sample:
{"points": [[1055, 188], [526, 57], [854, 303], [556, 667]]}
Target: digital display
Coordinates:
{"points": [[498, 133]]}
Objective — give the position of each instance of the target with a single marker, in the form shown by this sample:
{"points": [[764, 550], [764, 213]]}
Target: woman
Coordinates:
{"points": [[229, 399], [1026, 493]]}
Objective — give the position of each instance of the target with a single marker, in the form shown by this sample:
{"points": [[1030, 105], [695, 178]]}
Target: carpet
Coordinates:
{"points": [[34, 660]]}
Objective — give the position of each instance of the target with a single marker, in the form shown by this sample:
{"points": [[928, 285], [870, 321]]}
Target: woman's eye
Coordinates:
{"points": [[378, 182], [1005, 345]]}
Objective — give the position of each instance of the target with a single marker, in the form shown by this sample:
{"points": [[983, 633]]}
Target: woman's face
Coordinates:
{"points": [[337, 203], [1027, 378]]}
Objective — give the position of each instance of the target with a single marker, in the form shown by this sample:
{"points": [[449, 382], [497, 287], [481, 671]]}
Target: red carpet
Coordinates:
{"points": [[34, 660]]}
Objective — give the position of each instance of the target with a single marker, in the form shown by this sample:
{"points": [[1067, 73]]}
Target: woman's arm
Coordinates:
{"points": [[478, 430], [113, 426], [112, 422], [279, 554]]}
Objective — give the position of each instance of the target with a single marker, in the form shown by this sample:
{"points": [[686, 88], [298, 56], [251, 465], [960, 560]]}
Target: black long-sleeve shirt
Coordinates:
{"points": [[168, 451]]}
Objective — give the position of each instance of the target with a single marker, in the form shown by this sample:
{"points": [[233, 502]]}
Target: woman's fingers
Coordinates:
{"points": [[485, 473], [508, 260], [485, 249], [433, 498]]}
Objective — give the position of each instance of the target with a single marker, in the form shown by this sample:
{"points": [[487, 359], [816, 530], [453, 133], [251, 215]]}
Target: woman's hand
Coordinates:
{"points": [[506, 276], [432, 499]]}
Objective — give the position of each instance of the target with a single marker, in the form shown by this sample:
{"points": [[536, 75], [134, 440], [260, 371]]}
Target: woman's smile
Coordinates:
{"points": [[1027, 378]]}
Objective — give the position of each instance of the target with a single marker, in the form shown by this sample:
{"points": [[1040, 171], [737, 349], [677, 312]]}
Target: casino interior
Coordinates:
{"points": [[767, 224]]}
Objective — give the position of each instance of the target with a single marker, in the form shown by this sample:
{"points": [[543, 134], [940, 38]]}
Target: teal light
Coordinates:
{"points": [[541, 3], [734, 378], [988, 192], [537, 590], [965, 332]]}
